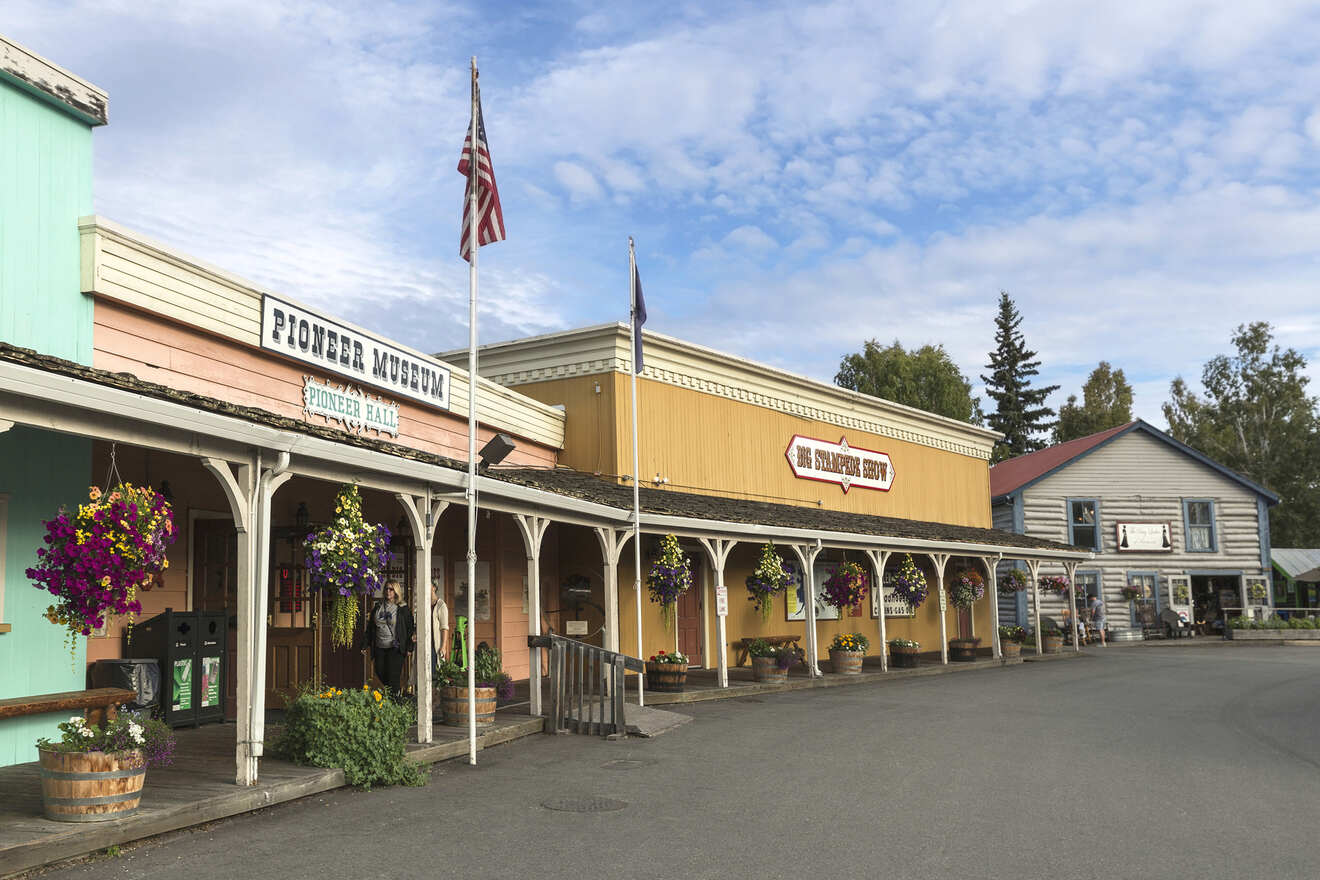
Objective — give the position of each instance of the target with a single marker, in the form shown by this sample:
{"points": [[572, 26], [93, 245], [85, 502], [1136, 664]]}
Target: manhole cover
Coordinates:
{"points": [[584, 804], [624, 764]]}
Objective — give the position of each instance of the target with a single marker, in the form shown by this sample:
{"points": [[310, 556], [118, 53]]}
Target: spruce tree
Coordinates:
{"points": [[1020, 411]]}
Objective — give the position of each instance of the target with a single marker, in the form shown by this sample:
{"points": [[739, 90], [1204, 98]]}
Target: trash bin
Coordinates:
{"points": [[190, 648], [140, 674]]}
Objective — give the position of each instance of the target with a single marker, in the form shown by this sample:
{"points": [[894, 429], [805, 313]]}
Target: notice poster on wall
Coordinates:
{"points": [[483, 598], [795, 597], [182, 685], [894, 606], [1142, 537], [210, 682]]}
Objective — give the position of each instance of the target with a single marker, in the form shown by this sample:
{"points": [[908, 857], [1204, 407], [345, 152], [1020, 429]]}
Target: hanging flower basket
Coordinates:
{"points": [[97, 557], [345, 559], [967, 588], [908, 583], [846, 587], [1055, 584], [1130, 593], [1014, 581], [767, 581], [670, 577]]}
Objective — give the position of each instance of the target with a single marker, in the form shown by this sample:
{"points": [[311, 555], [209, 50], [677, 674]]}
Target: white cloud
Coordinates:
{"points": [[580, 183]]}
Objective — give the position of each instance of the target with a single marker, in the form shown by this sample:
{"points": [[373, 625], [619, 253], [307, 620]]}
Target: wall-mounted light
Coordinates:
{"points": [[166, 492], [302, 517], [497, 449]]}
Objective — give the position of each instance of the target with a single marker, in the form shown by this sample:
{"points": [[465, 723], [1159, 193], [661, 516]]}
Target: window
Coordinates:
{"points": [[1084, 523], [1145, 607], [1199, 525]]}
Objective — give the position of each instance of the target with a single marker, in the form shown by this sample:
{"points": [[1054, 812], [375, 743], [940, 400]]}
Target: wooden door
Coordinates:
{"points": [[964, 623], [215, 588], [689, 620], [290, 634]]}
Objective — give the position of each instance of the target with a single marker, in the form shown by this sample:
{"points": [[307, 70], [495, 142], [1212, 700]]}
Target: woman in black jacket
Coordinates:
{"points": [[389, 636]]}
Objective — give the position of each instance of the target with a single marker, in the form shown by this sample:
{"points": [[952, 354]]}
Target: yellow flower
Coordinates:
{"points": [[364, 687]]}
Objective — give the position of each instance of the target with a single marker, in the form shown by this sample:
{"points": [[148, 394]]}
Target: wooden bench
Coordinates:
{"points": [[99, 704], [742, 645]]}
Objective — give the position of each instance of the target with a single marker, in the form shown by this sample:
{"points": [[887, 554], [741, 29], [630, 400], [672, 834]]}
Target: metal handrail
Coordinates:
{"points": [[586, 686]]}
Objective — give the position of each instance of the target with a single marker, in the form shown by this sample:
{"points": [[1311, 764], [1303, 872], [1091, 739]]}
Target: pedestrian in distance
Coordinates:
{"points": [[1096, 606]]}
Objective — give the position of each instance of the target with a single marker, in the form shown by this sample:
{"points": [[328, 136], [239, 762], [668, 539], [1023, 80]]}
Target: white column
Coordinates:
{"points": [[991, 564], [533, 532], [611, 545], [878, 560], [940, 560], [422, 520], [1033, 571], [806, 554], [239, 489], [1070, 568], [718, 551], [271, 479]]}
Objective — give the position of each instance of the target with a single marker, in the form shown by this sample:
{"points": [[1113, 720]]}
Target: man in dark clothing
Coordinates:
{"points": [[389, 634]]}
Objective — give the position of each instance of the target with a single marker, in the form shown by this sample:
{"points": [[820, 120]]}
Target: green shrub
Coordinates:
{"points": [[1239, 622], [760, 648], [1300, 623], [359, 731], [1276, 622]]}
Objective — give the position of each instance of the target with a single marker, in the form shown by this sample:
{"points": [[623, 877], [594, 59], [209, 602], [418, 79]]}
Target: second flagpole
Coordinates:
{"points": [[637, 479], [471, 230]]}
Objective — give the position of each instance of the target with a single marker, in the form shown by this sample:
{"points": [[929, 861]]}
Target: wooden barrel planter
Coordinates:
{"points": [[455, 703], [963, 650], [846, 662], [903, 658], [1051, 642], [767, 669], [91, 786], [666, 677], [1012, 652]]}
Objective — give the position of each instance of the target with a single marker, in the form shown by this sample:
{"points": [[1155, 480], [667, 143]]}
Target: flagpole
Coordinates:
{"points": [[637, 478], [474, 162]]}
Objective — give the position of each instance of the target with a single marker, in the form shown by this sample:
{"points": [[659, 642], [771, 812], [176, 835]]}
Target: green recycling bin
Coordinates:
{"points": [[190, 647]]}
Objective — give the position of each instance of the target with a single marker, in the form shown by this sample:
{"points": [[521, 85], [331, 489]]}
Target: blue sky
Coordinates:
{"points": [[1142, 177]]}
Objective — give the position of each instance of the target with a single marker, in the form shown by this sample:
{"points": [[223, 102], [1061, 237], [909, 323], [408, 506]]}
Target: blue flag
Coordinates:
{"points": [[639, 318]]}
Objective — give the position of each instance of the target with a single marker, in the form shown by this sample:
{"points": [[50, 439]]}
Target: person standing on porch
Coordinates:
{"points": [[1096, 606], [389, 636], [439, 626]]}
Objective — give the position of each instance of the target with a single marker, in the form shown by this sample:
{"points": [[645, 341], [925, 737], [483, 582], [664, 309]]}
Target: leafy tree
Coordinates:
{"points": [[1020, 411], [1257, 419], [925, 378], [1106, 403]]}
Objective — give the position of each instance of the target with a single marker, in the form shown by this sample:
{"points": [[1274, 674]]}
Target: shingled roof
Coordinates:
{"points": [[600, 490]]}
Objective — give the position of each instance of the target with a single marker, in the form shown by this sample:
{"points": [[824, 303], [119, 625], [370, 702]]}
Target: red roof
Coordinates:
{"points": [[1012, 473]]}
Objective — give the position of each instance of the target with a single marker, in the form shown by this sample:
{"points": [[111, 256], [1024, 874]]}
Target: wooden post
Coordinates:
{"points": [[270, 480], [1076, 617], [991, 564], [718, 551], [611, 545], [1033, 571], [806, 554], [423, 518], [533, 533], [940, 560], [879, 558]]}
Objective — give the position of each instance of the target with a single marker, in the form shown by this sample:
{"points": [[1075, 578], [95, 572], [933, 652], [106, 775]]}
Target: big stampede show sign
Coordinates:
{"points": [[356, 410], [298, 333], [830, 462]]}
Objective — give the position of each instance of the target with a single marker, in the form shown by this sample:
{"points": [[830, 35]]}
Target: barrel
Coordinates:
{"points": [[1051, 643], [846, 662], [91, 786], [963, 650], [1012, 651], [666, 677], [454, 700], [767, 669], [903, 658]]}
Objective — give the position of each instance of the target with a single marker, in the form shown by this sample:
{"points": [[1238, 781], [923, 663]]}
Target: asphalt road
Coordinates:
{"points": [[1137, 761]]}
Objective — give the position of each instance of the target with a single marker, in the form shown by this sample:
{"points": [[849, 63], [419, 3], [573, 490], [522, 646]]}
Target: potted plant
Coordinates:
{"points": [[670, 577], [492, 684], [1010, 643], [96, 558], [95, 772], [1013, 582], [846, 587], [770, 663], [903, 653], [345, 559], [908, 583], [1051, 639], [767, 581], [847, 651], [666, 672], [1130, 593]]}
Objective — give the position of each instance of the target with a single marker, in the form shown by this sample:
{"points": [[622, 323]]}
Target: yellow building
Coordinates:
{"points": [[733, 454]]}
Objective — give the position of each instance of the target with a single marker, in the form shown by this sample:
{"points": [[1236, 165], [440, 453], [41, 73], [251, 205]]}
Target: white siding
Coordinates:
{"points": [[1140, 478]]}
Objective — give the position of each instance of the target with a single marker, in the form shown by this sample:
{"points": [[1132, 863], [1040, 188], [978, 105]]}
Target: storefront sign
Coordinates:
{"points": [[1142, 537], [351, 407], [894, 606], [309, 337], [830, 462]]}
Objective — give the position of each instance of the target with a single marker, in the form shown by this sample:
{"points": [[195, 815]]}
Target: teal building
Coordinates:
{"points": [[46, 116]]}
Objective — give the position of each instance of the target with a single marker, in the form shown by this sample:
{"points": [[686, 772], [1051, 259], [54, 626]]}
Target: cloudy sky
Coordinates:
{"points": [[1141, 176]]}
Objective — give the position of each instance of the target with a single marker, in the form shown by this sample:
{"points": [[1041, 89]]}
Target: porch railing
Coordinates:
{"points": [[586, 686]]}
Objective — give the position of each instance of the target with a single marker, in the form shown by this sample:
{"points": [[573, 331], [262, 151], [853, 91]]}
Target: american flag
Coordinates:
{"points": [[490, 218]]}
